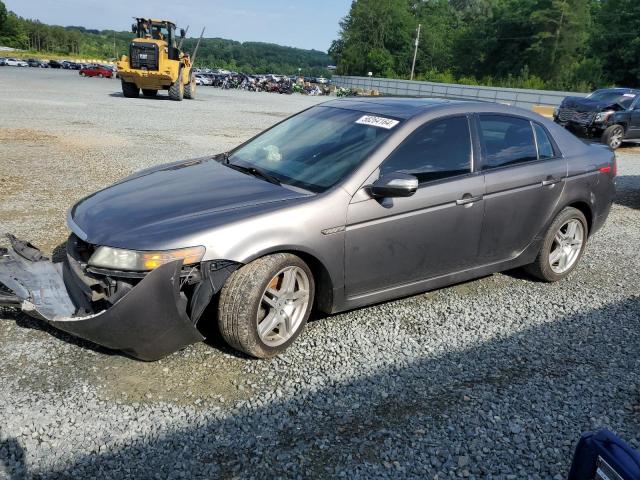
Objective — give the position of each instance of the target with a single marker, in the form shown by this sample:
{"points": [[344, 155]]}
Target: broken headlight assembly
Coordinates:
{"points": [[602, 117], [143, 261]]}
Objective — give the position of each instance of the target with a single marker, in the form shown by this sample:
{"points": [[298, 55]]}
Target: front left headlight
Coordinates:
{"points": [[142, 261], [602, 116]]}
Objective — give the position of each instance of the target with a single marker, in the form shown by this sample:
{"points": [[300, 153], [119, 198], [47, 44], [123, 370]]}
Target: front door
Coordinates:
{"points": [[396, 241], [633, 130]]}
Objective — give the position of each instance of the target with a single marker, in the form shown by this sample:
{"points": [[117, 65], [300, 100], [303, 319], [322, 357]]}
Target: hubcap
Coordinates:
{"points": [[566, 246], [283, 306], [616, 138]]}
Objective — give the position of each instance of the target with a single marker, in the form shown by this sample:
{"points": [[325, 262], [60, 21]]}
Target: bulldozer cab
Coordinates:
{"points": [[149, 29]]}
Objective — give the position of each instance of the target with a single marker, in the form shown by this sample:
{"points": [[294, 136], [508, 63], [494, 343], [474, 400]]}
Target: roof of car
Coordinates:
{"points": [[404, 108], [618, 89]]}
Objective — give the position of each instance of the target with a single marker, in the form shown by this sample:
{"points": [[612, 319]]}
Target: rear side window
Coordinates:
{"points": [[437, 150], [507, 140], [545, 147]]}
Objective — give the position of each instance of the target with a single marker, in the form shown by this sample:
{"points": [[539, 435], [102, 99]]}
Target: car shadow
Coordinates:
{"points": [[476, 409], [628, 191], [12, 456]]}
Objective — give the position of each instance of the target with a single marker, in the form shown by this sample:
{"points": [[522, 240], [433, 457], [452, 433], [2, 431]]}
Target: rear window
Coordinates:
{"points": [[545, 147], [506, 140]]}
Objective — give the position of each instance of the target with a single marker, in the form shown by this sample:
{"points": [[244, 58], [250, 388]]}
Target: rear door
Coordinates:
{"points": [[524, 176]]}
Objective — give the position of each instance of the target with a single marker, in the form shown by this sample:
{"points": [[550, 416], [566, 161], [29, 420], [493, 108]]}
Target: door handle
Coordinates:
{"points": [[468, 200], [550, 182]]}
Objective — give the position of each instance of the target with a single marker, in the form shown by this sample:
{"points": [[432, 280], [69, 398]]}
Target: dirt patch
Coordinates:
{"points": [[179, 379], [10, 185], [24, 135]]}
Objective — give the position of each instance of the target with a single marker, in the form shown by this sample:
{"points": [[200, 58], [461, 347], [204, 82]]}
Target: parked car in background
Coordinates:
{"points": [[96, 71], [13, 62], [611, 115], [346, 204], [203, 79], [3, 62], [32, 62], [54, 64], [322, 80]]}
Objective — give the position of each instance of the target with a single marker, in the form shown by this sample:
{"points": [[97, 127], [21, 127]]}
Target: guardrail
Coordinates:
{"points": [[407, 88]]}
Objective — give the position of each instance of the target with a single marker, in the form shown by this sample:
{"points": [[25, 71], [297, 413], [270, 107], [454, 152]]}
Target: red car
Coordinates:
{"points": [[96, 71]]}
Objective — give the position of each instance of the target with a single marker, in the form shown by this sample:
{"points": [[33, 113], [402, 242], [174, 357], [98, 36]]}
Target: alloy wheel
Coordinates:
{"points": [[566, 246], [616, 138], [283, 306]]}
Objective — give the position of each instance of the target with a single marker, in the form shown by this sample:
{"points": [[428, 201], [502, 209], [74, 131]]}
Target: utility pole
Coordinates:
{"points": [[415, 52]]}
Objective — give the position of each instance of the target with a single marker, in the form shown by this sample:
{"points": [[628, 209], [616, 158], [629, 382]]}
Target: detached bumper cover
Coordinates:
{"points": [[148, 323]]}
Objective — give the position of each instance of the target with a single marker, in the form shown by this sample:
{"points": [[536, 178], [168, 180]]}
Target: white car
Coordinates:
{"points": [[12, 62], [321, 80], [204, 80]]}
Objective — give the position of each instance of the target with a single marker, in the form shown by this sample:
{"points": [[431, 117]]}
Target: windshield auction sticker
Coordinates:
{"points": [[380, 122]]}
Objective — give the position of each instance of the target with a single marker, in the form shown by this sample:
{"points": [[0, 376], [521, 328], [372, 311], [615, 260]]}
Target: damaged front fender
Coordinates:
{"points": [[148, 323]]}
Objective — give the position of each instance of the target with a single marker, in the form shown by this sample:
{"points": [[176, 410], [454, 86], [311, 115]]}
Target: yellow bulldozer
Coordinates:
{"points": [[156, 62]]}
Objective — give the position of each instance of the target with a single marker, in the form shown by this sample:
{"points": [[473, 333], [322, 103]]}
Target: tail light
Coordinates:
{"points": [[613, 168]]}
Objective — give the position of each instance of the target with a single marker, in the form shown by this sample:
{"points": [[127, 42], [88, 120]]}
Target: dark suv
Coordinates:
{"points": [[611, 115]]}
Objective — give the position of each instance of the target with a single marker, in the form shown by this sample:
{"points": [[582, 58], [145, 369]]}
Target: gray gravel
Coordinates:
{"points": [[495, 378]]}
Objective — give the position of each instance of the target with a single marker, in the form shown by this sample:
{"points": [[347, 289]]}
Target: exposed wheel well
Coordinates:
{"points": [[324, 285], [586, 211]]}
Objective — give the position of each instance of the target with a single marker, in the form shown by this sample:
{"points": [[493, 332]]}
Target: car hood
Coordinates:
{"points": [[158, 206], [583, 104]]}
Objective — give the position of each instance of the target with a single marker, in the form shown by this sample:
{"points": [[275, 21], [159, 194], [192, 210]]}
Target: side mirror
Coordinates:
{"points": [[134, 28], [182, 33], [394, 184]]}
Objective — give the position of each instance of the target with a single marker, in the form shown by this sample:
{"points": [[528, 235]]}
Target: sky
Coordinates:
{"points": [[297, 23]]}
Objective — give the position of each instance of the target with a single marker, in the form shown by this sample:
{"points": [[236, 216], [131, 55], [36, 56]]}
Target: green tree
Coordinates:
{"points": [[616, 41], [561, 30], [376, 36], [3, 14]]}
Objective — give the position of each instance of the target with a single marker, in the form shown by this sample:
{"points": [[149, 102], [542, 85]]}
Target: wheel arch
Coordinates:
{"points": [[324, 283], [586, 210]]}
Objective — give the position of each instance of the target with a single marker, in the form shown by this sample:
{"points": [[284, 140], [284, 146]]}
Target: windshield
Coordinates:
{"points": [[317, 148], [613, 96]]}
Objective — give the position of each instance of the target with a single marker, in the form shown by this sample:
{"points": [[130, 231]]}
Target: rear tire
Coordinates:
{"points": [[130, 90], [613, 136], [561, 249], [190, 89], [265, 305], [149, 93], [176, 90]]}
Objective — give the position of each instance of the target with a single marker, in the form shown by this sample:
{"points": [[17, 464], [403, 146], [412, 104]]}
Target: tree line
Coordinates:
{"points": [[545, 44], [247, 57]]}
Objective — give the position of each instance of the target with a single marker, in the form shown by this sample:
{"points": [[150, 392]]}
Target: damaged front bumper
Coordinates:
{"points": [[148, 322]]}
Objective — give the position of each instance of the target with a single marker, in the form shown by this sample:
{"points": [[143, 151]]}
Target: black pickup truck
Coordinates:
{"points": [[611, 115]]}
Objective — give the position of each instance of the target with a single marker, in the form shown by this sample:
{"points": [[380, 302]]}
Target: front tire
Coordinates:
{"points": [[130, 90], [190, 89], [562, 247], [265, 305], [176, 90], [613, 136]]}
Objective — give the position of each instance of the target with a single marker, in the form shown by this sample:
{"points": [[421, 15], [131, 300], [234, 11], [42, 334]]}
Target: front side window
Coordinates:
{"points": [[506, 140], [437, 150], [317, 148]]}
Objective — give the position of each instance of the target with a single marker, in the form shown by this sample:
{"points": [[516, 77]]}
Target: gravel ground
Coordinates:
{"points": [[495, 378]]}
